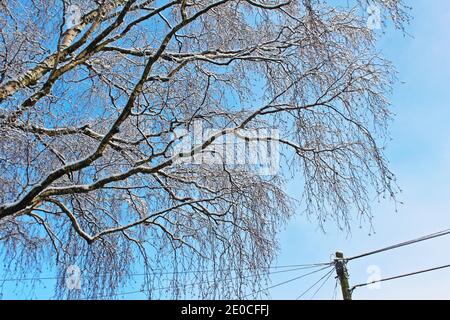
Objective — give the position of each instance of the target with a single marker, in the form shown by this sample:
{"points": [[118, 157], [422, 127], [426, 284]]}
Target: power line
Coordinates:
{"points": [[301, 266], [335, 290], [314, 284], [401, 276], [402, 244], [120, 294], [323, 283], [288, 281], [204, 282], [235, 278], [326, 277]]}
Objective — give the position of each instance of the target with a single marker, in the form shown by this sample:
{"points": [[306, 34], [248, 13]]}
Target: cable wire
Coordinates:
{"points": [[200, 283], [335, 290], [323, 283], [118, 294], [400, 276], [288, 281], [402, 244], [327, 276], [234, 278], [301, 266]]}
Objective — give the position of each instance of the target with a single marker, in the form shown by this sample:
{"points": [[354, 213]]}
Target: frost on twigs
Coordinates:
{"points": [[103, 163]]}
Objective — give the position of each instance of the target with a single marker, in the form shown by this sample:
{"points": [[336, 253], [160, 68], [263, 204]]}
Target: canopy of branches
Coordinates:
{"points": [[94, 93]]}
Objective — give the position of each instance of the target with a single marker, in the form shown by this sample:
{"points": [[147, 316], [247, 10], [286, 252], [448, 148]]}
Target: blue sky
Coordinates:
{"points": [[419, 155]]}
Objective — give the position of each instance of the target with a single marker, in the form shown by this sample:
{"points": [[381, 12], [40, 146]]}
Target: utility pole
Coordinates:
{"points": [[342, 273]]}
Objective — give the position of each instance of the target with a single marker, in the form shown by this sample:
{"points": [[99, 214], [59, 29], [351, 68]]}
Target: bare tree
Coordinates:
{"points": [[94, 94]]}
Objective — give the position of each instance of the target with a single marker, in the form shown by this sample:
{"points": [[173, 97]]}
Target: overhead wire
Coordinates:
{"points": [[438, 234], [301, 266], [401, 244], [400, 276], [323, 283], [288, 281], [326, 277], [211, 281], [333, 297]]}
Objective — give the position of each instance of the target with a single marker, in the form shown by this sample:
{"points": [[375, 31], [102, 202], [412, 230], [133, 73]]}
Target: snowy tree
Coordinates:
{"points": [[99, 97]]}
